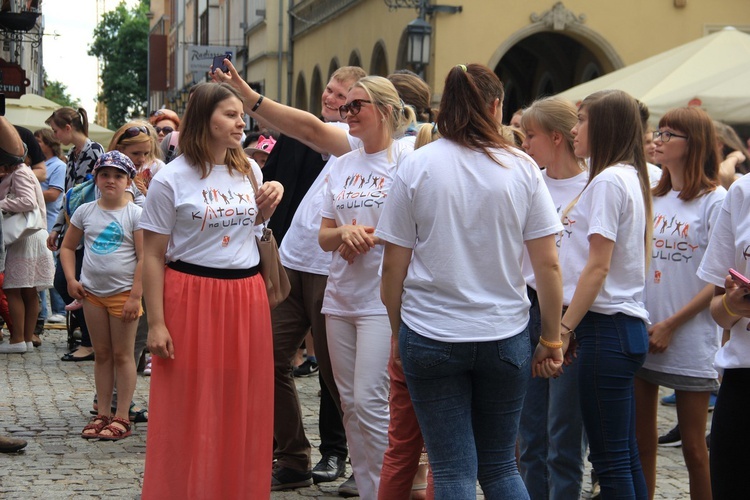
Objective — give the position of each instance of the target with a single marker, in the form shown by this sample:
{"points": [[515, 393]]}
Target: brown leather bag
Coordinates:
{"points": [[274, 274]]}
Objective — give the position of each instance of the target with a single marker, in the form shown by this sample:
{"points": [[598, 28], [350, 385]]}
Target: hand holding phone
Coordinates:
{"points": [[739, 279], [219, 62]]}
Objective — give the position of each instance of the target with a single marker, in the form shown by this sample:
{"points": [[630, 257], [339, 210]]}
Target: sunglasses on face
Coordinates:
{"points": [[666, 136], [353, 107], [132, 132], [166, 130]]}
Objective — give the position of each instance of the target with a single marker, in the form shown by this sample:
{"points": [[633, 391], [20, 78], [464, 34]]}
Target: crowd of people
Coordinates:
{"points": [[482, 303]]}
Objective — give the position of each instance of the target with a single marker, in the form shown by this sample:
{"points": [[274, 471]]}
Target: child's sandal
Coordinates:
{"points": [[97, 423], [116, 433]]}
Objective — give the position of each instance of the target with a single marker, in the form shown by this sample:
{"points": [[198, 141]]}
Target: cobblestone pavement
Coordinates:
{"points": [[47, 402]]}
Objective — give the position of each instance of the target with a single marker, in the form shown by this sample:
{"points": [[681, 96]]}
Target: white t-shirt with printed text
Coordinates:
{"points": [[466, 218], [357, 188], [611, 206], [109, 259], [730, 248], [681, 235], [211, 221]]}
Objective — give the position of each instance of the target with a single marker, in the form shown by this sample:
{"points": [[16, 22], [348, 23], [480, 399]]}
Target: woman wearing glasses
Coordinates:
{"points": [[165, 121], [605, 260], [137, 140], [71, 126], [683, 339], [358, 183]]}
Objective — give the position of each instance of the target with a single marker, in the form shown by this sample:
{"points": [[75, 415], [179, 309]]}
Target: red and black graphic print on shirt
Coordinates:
{"points": [[362, 191], [225, 209], [672, 240]]}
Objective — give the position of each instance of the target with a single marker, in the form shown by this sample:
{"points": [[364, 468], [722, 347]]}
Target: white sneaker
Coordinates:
{"points": [[29, 346], [18, 347], [56, 318]]}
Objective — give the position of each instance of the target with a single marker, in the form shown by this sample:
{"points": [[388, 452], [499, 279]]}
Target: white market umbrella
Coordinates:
{"points": [[31, 111], [712, 72]]}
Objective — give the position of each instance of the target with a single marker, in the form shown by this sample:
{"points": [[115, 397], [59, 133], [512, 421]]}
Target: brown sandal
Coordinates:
{"points": [[116, 433], [97, 423]]}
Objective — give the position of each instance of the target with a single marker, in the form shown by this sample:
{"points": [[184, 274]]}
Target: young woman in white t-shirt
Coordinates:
{"points": [[456, 220], [605, 264], [730, 308], [551, 438], [683, 339], [209, 319]]}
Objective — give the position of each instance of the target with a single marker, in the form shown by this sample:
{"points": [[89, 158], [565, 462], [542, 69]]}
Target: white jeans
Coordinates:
{"points": [[359, 348]]}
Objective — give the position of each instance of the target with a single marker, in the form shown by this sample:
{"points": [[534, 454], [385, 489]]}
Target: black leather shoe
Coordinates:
{"points": [[329, 469], [284, 478]]}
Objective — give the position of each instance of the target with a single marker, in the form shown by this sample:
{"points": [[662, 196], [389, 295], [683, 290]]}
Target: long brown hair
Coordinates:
{"points": [[195, 130], [616, 136], [702, 161], [77, 119], [465, 115]]}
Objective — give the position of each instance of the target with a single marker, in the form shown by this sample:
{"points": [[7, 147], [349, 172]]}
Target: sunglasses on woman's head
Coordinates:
{"points": [[353, 107], [132, 132], [166, 130]]}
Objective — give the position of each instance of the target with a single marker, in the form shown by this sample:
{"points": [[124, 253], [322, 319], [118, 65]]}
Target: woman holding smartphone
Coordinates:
{"points": [[730, 308], [605, 263], [683, 339]]}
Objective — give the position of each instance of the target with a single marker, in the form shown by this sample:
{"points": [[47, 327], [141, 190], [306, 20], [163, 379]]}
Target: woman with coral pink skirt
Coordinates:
{"points": [[210, 432]]}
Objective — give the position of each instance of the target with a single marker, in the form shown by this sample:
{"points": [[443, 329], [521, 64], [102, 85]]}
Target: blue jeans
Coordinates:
{"points": [[610, 350], [551, 437], [468, 399]]}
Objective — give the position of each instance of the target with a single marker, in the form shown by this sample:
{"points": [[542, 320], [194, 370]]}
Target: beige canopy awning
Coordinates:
{"points": [[712, 72], [32, 110]]}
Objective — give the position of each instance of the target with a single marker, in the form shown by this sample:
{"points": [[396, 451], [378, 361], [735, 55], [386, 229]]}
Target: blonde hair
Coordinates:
{"points": [[552, 114], [385, 98], [118, 141]]}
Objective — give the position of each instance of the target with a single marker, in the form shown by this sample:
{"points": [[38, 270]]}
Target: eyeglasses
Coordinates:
{"points": [[666, 136], [132, 132], [166, 130], [353, 107]]}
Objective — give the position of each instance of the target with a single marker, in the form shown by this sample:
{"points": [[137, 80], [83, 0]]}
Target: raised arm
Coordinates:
{"points": [[301, 125]]}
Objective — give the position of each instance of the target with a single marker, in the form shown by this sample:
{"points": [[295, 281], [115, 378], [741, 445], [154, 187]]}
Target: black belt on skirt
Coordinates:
{"points": [[212, 272]]}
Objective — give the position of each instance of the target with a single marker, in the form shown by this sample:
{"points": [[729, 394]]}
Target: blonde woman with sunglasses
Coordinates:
{"points": [[137, 141]]}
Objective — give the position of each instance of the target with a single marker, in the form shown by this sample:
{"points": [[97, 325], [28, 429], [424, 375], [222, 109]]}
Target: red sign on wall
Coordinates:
{"points": [[13, 81]]}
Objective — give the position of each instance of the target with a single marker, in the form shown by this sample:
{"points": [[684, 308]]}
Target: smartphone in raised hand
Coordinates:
{"points": [[219, 62]]}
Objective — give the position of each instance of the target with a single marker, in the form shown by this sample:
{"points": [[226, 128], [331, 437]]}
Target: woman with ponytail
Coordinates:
{"points": [[456, 298], [605, 259], [71, 126]]}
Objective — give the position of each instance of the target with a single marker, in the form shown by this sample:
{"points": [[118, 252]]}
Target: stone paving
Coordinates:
{"points": [[47, 401]]}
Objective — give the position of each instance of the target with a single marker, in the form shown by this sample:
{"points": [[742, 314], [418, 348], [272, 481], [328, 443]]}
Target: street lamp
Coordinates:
{"points": [[419, 42]]}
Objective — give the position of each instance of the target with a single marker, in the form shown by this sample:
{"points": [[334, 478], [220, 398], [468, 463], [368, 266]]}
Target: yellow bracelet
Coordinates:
{"points": [[551, 345], [726, 307]]}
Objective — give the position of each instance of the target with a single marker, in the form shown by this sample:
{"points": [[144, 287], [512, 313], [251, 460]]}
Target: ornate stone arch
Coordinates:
{"points": [[561, 20]]}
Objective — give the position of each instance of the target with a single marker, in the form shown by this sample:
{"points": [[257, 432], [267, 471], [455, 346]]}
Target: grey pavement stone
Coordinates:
{"points": [[47, 402]]}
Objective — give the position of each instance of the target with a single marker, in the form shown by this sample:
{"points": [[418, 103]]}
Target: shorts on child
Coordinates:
{"points": [[113, 304]]}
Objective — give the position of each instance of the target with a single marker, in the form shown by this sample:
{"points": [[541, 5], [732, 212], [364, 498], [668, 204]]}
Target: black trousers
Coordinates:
{"points": [[730, 439]]}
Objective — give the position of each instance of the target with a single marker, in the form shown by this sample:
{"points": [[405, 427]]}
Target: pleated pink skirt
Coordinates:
{"points": [[210, 430]]}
